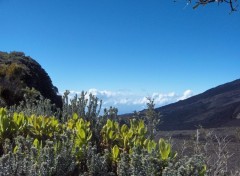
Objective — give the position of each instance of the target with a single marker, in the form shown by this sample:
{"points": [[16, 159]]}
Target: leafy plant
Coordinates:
{"points": [[86, 145], [7, 127], [115, 153], [43, 127], [110, 133], [164, 149]]}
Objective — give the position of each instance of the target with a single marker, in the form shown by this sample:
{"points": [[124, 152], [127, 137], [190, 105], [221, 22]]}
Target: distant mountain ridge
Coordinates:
{"points": [[216, 107]]}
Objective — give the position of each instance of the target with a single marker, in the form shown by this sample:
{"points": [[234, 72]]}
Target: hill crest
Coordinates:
{"points": [[216, 107]]}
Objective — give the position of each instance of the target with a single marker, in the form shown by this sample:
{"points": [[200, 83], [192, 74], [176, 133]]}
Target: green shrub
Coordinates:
{"points": [[84, 143]]}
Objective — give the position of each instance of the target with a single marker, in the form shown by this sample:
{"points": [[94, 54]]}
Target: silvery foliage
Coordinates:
{"points": [[10, 162], [86, 107], [136, 164], [185, 166], [96, 163], [152, 165], [27, 160], [144, 163], [123, 168], [35, 103], [151, 118]]}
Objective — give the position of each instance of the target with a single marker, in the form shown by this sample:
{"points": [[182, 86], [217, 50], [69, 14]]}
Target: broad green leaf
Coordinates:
{"points": [[124, 129], [137, 142], [125, 142], [203, 171], [89, 136], [15, 149], [5, 124], [111, 135], [15, 118], [130, 133], [141, 124], [3, 112], [54, 123], [81, 122], [115, 152], [141, 131], [75, 116], [82, 134], [165, 149], [109, 123], [70, 125], [146, 142], [116, 125], [173, 154], [36, 143], [151, 146]]}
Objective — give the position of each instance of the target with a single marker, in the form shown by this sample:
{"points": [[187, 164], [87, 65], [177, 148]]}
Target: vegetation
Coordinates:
{"points": [[39, 138], [84, 143]]}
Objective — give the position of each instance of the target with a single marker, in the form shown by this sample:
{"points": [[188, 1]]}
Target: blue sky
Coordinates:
{"points": [[125, 50]]}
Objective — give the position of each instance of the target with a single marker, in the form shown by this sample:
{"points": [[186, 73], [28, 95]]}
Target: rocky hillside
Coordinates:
{"points": [[19, 72], [217, 107]]}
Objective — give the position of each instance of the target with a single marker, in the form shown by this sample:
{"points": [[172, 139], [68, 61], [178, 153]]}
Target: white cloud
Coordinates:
{"points": [[127, 102], [186, 94]]}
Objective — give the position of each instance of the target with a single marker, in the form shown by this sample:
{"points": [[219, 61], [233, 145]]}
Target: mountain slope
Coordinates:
{"points": [[219, 106], [19, 72]]}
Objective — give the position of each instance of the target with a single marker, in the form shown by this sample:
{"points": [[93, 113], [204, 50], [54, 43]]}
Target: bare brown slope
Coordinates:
{"points": [[217, 107]]}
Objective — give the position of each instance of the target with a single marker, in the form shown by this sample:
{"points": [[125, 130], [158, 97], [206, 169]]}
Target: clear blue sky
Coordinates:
{"points": [[125, 45]]}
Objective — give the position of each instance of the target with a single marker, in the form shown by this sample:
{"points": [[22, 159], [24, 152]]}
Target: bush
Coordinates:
{"points": [[81, 142]]}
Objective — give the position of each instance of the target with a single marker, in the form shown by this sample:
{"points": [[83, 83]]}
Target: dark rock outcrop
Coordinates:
{"points": [[217, 107], [19, 72]]}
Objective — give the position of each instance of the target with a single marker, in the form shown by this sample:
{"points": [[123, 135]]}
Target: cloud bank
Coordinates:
{"points": [[127, 101]]}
